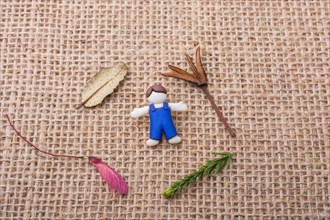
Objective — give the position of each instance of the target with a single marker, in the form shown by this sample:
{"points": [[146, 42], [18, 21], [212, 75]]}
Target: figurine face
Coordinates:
{"points": [[157, 97]]}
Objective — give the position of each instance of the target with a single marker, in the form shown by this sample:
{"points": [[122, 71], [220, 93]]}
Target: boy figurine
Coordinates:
{"points": [[160, 115]]}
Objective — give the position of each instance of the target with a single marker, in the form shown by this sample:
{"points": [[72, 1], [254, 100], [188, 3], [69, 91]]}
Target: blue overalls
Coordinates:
{"points": [[161, 121]]}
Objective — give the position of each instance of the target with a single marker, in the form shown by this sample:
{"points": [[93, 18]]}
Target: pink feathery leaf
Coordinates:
{"points": [[110, 176]]}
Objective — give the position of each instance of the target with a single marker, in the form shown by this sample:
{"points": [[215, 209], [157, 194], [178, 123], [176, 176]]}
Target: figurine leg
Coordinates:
{"points": [[170, 132], [152, 142], [155, 133], [175, 140]]}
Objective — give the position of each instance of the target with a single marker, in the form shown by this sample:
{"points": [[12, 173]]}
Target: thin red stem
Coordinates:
{"points": [[37, 148], [217, 110]]}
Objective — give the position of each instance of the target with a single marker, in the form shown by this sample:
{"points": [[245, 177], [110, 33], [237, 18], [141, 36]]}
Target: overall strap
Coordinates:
{"points": [[165, 105], [152, 107]]}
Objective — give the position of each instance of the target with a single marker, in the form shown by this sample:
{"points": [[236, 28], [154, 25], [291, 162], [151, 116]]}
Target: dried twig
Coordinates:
{"points": [[199, 78]]}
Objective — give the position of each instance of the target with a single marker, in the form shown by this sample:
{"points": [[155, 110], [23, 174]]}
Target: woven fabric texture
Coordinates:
{"points": [[268, 69]]}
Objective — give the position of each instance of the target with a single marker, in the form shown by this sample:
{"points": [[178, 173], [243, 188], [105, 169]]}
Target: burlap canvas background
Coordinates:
{"points": [[268, 68]]}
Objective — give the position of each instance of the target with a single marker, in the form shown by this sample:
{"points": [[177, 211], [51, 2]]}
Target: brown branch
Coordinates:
{"points": [[217, 110], [199, 78]]}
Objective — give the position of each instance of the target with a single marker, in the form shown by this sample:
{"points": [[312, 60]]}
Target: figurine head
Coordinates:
{"points": [[156, 94]]}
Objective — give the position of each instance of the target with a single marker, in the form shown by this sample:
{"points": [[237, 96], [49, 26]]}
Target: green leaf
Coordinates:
{"points": [[216, 165], [220, 166]]}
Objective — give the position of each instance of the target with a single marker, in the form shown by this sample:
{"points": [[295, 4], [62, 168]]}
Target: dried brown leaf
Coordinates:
{"points": [[199, 65], [181, 74], [178, 70], [102, 84], [192, 67]]}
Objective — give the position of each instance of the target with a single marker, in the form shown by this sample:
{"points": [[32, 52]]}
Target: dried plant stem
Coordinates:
{"points": [[198, 78], [37, 148], [217, 110]]}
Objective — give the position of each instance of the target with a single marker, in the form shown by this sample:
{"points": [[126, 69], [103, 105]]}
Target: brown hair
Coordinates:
{"points": [[155, 88]]}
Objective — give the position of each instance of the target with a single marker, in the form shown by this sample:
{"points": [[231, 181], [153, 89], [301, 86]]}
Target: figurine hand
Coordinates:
{"points": [[137, 112], [182, 106], [179, 106]]}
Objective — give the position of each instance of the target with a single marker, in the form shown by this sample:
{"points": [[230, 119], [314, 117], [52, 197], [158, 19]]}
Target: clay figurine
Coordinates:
{"points": [[160, 115]]}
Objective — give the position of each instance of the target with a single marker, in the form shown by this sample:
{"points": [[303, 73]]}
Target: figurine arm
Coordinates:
{"points": [[178, 107], [138, 112]]}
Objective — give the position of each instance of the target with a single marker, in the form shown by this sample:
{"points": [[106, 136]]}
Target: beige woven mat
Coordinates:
{"points": [[268, 67]]}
